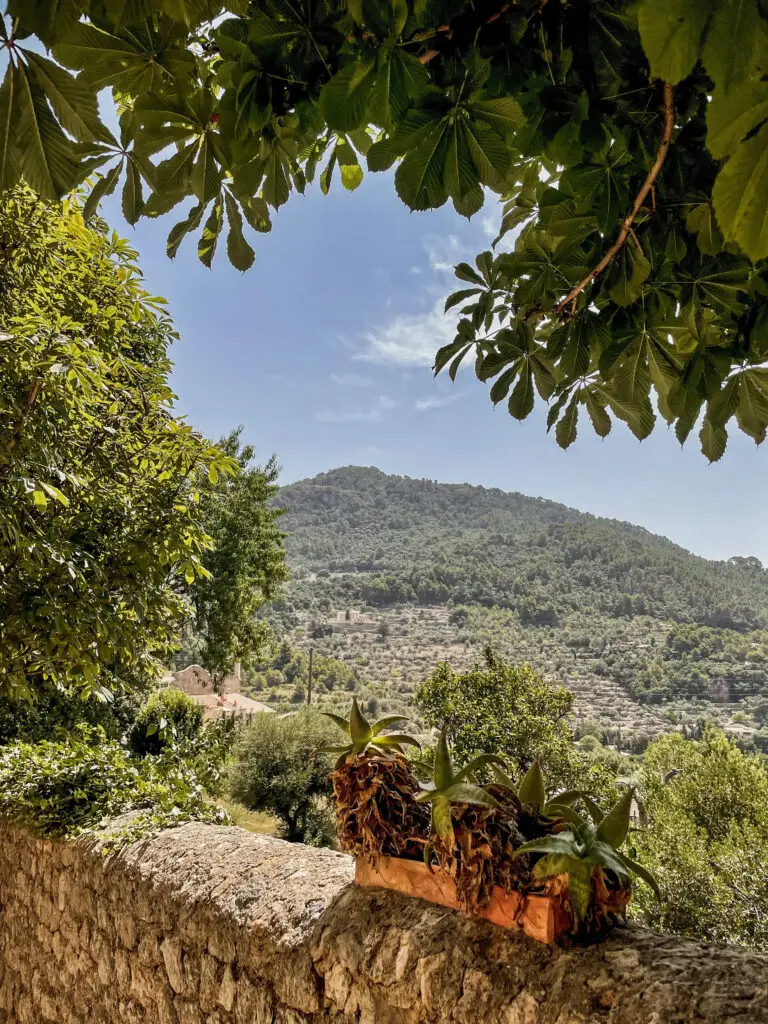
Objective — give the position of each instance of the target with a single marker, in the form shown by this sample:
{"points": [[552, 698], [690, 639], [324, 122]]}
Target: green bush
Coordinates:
{"points": [[169, 717], [707, 839], [68, 787], [277, 768]]}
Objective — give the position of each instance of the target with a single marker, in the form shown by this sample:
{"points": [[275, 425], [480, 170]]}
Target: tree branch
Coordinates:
{"points": [[626, 227], [32, 394]]}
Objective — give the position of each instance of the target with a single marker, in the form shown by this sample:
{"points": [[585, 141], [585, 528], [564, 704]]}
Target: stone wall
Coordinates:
{"points": [[215, 925]]}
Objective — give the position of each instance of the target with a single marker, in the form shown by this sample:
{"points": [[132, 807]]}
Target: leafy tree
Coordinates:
{"points": [[245, 565], [100, 529], [169, 716], [706, 840], [508, 710], [627, 140], [277, 767]]}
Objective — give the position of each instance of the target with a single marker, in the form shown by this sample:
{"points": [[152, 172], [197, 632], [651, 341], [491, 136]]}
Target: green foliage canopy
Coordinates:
{"points": [[629, 142], [72, 785], [706, 839], [277, 767], [510, 711], [100, 532], [244, 566], [168, 717]]}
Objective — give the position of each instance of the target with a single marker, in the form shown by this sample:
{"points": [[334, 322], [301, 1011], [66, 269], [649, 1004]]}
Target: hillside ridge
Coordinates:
{"points": [[392, 574], [329, 477]]}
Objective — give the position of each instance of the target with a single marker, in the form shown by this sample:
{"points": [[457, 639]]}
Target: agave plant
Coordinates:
{"points": [[587, 846], [363, 736], [532, 792], [449, 787]]}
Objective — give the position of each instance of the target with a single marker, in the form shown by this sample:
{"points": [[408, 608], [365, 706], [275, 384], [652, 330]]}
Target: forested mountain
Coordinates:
{"points": [[426, 542], [588, 600]]}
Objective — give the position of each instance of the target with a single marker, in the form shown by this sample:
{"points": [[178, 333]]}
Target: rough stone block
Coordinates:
{"points": [[170, 950]]}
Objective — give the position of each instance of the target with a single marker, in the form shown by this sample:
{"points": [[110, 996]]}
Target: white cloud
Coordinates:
{"points": [[443, 252], [490, 223], [412, 339], [409, 340], [371, 415], [351, 380], [436, 402]]}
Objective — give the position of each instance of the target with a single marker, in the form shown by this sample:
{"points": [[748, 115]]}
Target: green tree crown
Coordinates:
{"points": [[628, 141]]}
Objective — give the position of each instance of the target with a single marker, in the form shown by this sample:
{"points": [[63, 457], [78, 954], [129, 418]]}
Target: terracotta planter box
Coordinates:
{"points": [[542, 917]]}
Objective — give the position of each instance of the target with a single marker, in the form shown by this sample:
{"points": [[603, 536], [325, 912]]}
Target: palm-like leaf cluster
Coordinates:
{"points": [[363, 736]]}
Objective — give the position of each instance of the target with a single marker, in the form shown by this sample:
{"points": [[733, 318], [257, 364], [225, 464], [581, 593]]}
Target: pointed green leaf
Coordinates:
{"points": [[206, 246], [503, 779], [752, 408], [342, 723], [73, 100], [344, 99], [205, 176], [442, 821], [732, 39], [568, 797], [566, 429], [46, 156], [701, 222], [595, 811], [443, 768], [105, 186], [532, 790], [579, 888], [505, 114], [396, 739], [604, 855], [178, 232], [420, 178], [240, 253], [8, 119], [386, 723], [359, 728], [399, 77], [713, 440], [739, 196], [521, 400], [459, 296], [133, 198], [481, 761], [256, 213], [601, 421], [734, 114], [629, 272], [561, 844], [556, 811], [671, 34], [466, 793], [615, 825], [641, 872]]}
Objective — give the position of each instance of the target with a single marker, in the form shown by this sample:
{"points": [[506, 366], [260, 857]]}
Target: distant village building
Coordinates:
{"points": [[196, 681]]}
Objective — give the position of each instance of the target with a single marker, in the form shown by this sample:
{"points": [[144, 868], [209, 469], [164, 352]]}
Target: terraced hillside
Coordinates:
{"points": [[392, 574]]}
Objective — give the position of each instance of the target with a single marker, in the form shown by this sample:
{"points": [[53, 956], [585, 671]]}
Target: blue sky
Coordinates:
{"points": [[323, 352]]}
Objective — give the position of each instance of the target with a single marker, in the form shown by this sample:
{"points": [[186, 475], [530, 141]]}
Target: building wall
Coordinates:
{"points": [[195, 681], [211, 925]]}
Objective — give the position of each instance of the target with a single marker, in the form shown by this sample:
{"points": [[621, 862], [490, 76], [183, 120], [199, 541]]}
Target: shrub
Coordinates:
{"points": [[72, 786], [277, 768], [168, 717], [707, 839]]}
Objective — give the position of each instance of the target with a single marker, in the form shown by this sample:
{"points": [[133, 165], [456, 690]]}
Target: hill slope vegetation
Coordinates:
{"points": [[384, 565]]}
